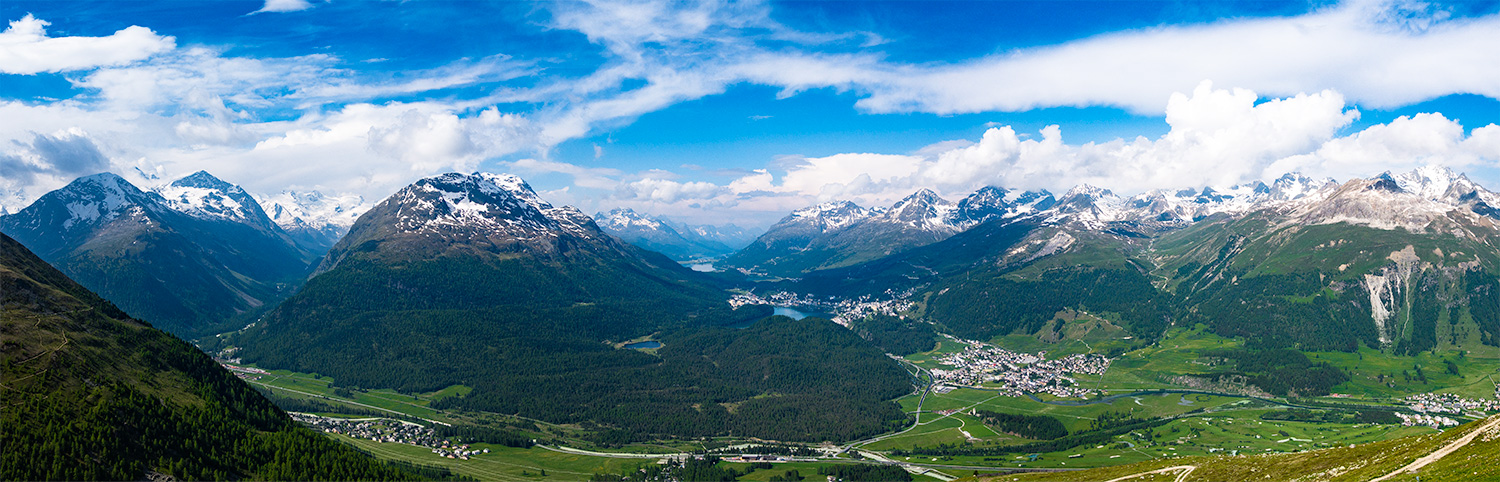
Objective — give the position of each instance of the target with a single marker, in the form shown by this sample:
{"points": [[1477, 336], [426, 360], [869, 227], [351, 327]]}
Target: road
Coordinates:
{"points": [[613, 455], [351, 402]]}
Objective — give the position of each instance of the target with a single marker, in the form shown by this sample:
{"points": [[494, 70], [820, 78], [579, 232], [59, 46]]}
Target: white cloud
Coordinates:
{"points": [[1423, 139], [668, 191], [280, 6], [1352, 48], [332, 124], [25, 48], [588, 177], [1217, 138]]}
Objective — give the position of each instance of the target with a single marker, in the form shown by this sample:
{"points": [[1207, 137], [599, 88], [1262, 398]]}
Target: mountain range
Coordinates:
{"points": [[194, 256], [1400, 262], [540, 298], [841, 233], [313, 220]]}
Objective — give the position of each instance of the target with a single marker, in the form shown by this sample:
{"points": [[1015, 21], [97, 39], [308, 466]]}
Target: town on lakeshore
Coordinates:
{"points": [[1018, 374]]}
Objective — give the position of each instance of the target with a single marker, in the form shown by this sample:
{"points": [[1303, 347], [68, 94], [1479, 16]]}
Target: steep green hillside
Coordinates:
{"points": [[90, 394], [1311, 286]]}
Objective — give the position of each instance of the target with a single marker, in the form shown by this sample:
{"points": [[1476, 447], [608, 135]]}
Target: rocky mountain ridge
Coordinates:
{"points": [[189, 262]]}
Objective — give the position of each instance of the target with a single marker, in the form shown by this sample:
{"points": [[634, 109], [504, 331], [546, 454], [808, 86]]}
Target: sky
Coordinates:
{"points": [[739, 112]]}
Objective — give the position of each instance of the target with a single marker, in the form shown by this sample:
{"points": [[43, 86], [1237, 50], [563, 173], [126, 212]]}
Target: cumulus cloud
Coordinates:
{"points": [[1423, 139], [25, 48]]}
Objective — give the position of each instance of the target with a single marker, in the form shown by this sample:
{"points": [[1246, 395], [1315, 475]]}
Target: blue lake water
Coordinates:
{"points": [[796, 314], [641, 345], [702, 267]]}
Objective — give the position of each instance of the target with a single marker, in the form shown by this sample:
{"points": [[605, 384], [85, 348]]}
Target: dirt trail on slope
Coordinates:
{"points": [[1186, 469], [1442, 452]]}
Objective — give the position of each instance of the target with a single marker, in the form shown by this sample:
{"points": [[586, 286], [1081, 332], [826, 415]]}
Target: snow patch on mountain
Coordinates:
{"points": [[313, 209], [204, 196], [830, 216], [621, 219]]}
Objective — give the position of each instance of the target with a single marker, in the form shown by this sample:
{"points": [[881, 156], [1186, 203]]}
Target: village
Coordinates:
{"points": [[387, 430], [844, 311], [1018, 373], [1434, 421], [1449, 403]]}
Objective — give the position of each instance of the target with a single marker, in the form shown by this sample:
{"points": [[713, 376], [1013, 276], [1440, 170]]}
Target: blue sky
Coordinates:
{"points": [[714, 111]]}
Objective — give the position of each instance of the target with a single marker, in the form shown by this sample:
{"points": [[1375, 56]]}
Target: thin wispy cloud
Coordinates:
{"points": [[283, 6]]}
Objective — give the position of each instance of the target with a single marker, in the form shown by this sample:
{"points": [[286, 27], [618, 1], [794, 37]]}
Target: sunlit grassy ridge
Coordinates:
{"points": [[1479, 460]]}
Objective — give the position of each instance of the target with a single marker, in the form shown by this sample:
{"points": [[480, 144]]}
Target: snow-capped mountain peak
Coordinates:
{"points": [[832, 215], [204, 196], [923, 210], [1294, 185], [619, 219], [514, 185], [1433, 182], [97, 198], [313, 209], [493, 208]]}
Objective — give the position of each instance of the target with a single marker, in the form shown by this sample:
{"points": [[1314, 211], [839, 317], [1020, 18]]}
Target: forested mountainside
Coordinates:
{"points": [[197, 256], [91, 394], [474, 280]]}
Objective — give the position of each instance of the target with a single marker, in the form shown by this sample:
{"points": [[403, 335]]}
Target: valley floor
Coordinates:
{"points": [[948, 440]]}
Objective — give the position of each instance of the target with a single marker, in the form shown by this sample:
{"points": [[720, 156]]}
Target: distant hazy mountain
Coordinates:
{"points": [[92, 394], [473, 279], [729, 235], [190, 256], [681, 243], [313, 220], [836, 234]]}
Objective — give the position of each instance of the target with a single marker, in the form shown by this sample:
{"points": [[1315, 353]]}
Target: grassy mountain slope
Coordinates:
{"points": [[91, 394], [1311, 286], [1479, 459]]}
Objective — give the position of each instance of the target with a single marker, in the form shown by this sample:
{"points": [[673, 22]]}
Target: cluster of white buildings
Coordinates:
{"points": [[1434, 421], [845, 311], [1448, 403], [241, 370], [387, 430], [780, 298], [1019, 373], [849, 311]]}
